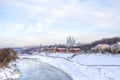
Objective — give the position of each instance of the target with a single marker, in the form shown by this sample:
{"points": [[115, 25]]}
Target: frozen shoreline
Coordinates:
{"points": [[76, 70], [77, 67], [36, 70]]}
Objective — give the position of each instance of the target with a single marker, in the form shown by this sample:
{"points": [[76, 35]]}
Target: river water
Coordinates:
{"points": [[33, 70]]}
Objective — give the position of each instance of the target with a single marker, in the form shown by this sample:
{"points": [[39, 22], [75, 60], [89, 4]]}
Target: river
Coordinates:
{"points": [[34, 70]]}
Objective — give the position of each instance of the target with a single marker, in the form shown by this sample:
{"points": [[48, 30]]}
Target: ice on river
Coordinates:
{"points": [[33, 70]]}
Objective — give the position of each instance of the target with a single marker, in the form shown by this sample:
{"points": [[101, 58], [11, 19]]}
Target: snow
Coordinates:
{"points": [[118, 43], [88, 59], [80, 67], [36, 70], [9, 73], [97, 59], [64, 55]]}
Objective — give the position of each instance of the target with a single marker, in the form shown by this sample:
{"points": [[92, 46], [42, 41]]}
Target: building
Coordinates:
{"points": [[74, 50], [115, 48], [62, 50], [101, 48], [70, 41]]}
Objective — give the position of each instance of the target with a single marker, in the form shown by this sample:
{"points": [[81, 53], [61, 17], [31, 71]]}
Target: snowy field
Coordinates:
{"points": [[83, 66]]}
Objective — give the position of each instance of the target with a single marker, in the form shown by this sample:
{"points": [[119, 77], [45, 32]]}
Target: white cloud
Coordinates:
{"points": [[90, 12], [11, 29], [51, 11], [38, 27], [44, 13]]}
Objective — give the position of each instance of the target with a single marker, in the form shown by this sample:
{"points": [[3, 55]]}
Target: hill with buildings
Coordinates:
{"points": [[108, 41]]}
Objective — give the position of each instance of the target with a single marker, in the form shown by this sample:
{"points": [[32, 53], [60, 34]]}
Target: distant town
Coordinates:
{"points": [[106, 45]]}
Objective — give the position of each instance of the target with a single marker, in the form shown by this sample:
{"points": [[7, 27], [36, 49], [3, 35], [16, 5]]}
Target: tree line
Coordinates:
{"points": [[109, 41]]}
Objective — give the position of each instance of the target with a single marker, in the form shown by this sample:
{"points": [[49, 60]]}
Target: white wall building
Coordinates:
{"points": [[115, 47], [70, 41]]}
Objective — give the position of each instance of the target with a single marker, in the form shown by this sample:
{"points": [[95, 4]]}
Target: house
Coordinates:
{"points": [[61, 50], [74, 50], [101, 48], [115, 48]]}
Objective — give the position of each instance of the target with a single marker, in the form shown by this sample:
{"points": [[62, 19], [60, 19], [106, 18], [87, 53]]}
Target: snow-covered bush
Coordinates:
{"points": [[8, 70], [6, 56]]}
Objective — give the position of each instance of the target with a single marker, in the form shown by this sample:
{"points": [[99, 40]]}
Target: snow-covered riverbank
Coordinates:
{"points": [[36, 70], [80, 67], [9, 73], [77, 71]]}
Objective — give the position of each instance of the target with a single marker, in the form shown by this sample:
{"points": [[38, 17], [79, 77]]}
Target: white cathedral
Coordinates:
{"points": [[70, 41]]}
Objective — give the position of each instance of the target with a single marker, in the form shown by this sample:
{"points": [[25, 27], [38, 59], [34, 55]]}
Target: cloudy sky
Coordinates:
{"points": [[33, 22]]}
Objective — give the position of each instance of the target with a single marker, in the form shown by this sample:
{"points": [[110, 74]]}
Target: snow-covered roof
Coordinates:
{"points": [[99, 45], [118, 43]]}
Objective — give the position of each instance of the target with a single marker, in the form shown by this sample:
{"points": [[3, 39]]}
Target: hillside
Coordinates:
{"points": [[109, 41]]}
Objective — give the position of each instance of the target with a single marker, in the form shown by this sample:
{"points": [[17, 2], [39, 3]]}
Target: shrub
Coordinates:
{"points": [[6, 56]]}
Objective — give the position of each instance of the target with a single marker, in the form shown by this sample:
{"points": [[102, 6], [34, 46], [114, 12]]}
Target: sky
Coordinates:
{"points": [[34, 22]]}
